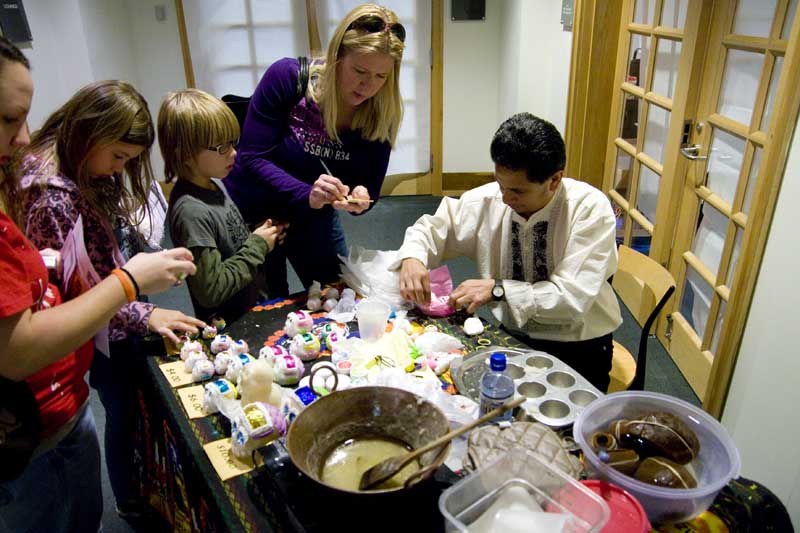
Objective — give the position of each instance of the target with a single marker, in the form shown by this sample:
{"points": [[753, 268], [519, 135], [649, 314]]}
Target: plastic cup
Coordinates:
{"points": [[372, 316]]}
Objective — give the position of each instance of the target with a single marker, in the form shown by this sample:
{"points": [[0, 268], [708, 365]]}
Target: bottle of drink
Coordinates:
{"points": [[497, 387]]}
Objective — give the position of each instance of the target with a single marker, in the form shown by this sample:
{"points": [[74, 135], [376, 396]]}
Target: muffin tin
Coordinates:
{"points": [[556, 393]]}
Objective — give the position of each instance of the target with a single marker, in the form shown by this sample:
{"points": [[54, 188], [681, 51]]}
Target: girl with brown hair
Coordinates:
{"points": [[90, 161]]}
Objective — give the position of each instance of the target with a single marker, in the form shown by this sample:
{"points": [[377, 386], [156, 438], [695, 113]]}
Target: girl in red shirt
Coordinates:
{"points": [[47, 346]]}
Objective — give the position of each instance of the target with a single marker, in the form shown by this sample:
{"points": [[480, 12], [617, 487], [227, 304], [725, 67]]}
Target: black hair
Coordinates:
{"points": [[526, 142], [9, 52]]}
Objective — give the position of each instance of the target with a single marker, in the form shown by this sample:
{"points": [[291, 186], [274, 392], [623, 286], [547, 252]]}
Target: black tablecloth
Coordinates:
{"points": [[181, 483]]}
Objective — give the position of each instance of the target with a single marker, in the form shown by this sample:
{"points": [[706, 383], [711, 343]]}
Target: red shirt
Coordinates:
{"points": [[60, 389]]}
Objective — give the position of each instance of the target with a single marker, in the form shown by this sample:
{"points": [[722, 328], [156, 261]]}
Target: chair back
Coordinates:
{"points": [[644, 286], [641, 284]]}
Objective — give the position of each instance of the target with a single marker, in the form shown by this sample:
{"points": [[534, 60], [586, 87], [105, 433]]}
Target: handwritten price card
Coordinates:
{"points": [[176, 373], [224, 462], [192, 398]]}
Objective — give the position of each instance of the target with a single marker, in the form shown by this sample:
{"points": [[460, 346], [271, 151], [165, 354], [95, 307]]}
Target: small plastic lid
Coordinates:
{"points": [[627, 513], [498, 361]]}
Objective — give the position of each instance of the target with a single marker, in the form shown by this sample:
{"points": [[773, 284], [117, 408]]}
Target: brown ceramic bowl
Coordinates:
{"points": [[366, 412]]}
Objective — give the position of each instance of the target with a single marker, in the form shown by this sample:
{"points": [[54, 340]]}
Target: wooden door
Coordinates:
{"points": [[693, 152], [733, 171]]}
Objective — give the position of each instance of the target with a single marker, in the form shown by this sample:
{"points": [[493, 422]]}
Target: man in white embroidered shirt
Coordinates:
{"points": [[543, 244]]}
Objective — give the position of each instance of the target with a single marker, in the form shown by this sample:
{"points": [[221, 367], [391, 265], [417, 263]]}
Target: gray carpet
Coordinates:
{"points": [[383, 229]]}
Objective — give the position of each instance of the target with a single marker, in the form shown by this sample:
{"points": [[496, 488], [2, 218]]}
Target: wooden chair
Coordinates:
{"points": [[644, 286]]}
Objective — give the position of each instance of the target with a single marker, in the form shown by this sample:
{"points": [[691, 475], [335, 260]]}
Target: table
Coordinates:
{"points": [[182, 485], [177, 476]]}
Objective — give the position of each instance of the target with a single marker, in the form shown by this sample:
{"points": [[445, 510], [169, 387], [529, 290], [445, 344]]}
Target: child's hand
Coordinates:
{"points": [[269, 233]]}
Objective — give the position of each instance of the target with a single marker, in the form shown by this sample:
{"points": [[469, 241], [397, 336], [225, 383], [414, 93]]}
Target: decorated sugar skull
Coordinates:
{"points": [[193, 358], [305, 346], [214, 390], [287, 369], [202, 370], [271, 353], [334, 339], [219, 323], [190, 346], [235, 366], [239, 347], [255, 425], [297, 322], [209, 332], [221, 343], [222, 360]]}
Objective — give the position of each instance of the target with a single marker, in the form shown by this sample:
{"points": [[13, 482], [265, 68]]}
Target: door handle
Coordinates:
{"points": [[691, 152]]}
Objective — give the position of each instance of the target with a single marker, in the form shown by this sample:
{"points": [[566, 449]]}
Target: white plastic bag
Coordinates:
{"points": [[367, 272]]}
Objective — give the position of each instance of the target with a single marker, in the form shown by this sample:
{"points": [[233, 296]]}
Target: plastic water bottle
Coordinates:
{"points": [[497, 387]]}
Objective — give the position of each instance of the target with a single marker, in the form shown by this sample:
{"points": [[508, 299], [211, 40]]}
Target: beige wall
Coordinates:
{"points": [[761, 411]]}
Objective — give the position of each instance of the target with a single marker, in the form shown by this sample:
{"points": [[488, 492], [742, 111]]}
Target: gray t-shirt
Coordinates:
{"points": [[228, 256]]}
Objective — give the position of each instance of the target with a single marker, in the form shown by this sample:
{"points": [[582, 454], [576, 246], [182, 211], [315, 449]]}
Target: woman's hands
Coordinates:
{"points": [[158, 271], [326, 190], [330, 190], [166, 321]]}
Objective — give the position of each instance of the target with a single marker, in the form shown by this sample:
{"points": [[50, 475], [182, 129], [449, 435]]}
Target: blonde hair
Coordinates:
{"points": [[190, 121], [99, 114], [379, 117]]}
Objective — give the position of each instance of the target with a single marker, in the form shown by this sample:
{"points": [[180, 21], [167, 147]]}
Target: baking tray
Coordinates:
{"points": [[556, 393]]}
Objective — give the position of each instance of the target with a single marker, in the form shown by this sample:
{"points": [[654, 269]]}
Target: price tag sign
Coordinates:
{"points": [[224, 462], [176, 373], [192, 399]]}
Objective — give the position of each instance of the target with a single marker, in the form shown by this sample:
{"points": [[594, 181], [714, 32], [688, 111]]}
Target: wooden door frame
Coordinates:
{"points": [[591, 86]]}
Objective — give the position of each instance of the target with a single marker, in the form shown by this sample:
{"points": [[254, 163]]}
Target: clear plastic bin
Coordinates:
{"points": [[464, 503], [717, 463]]}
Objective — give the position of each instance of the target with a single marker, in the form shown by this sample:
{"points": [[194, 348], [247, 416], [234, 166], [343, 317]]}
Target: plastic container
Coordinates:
{"points": [[716, 464], [497, 387], [463, 504], [372, 316], [627, 513]]}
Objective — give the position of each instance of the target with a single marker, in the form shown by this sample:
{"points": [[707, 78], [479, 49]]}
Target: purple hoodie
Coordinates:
{"points": [[283, 141]]}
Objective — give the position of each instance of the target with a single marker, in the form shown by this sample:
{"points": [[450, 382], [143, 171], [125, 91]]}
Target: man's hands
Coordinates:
{"points": [[330, 190], [415, 282], [472, 294], [272, 233]]}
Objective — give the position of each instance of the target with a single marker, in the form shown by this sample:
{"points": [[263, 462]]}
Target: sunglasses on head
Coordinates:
{"points": [[375, 24]]}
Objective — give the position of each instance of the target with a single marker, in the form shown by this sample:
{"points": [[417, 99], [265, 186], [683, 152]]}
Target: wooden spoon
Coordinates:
{"points": [[389, 467]]}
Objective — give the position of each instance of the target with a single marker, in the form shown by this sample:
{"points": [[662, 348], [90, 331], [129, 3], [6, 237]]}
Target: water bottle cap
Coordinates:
{"points": [[498, 361]]}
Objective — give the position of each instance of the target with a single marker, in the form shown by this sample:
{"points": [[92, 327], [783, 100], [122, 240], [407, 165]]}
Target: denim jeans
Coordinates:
{"points": [[312, 246], [59, 490], [115, 379]]}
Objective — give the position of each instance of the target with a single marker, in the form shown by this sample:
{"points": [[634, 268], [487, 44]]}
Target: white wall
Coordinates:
{"points": [[58, 54], [761, 411], [157, 55], [516, 60], [471, 92], [109, 41], [535, 59]]}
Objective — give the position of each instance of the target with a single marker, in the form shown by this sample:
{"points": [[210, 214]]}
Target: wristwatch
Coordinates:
{"points": [[498, 292]]}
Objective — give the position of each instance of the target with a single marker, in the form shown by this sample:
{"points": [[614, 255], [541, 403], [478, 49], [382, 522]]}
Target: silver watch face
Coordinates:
{"points": [[498, 291]]}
